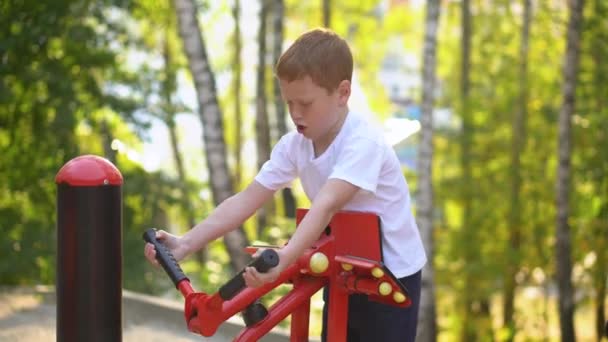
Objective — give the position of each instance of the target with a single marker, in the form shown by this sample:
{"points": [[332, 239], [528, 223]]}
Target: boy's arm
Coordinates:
{"points": [[334, 194], [227, 216]]}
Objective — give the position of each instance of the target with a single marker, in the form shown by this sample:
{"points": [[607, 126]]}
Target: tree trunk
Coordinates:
{"points": [[107, 138], [517, 148], [563, 241], [237, 69], [181, 174], [289, 201], [600, 268], [326, 13], [168, 116], [427, 324], [262, 128], [469, 333], [600, 292], [211, 120]]}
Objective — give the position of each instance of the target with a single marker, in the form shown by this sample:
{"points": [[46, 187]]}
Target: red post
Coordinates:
{"points": [[89, 251], [300, 317]]}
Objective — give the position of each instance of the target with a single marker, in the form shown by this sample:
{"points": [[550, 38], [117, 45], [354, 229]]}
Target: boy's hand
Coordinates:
{"points": [[174, 243], [253, 278]]}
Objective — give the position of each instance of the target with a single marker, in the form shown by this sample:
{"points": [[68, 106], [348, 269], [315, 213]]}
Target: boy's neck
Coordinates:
{"points": [[321, 145]]}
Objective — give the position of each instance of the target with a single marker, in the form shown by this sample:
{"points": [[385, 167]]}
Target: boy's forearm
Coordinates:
{"points": [[229, 215], [330, 199], [308, 232], [218, 223]]}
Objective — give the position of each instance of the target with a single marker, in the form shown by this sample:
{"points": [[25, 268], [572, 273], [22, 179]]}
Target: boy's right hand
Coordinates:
{"points": [[174, 243]]}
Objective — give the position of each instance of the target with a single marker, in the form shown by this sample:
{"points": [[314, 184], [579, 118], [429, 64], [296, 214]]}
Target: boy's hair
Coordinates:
{"points": [[320, 54]]}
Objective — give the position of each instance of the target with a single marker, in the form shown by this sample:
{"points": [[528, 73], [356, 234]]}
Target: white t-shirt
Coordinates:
{"points": [[360, 156]]}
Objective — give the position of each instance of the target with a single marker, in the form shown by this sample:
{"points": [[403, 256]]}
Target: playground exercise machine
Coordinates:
{"points": [[347, 257]]}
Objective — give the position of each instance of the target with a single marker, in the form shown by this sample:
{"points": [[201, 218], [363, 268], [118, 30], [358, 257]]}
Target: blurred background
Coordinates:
{"points": [[497, 111]]}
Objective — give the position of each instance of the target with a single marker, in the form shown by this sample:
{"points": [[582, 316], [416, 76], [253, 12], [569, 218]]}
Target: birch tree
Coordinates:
{"points": [[211, 120], [289, 201], [517, 147], [563, 239], [236, 83], [428, 321], [262, 130]]}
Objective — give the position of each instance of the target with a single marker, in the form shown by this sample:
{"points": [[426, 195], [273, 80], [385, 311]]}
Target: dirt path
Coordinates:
{"points": [[27, 318]]}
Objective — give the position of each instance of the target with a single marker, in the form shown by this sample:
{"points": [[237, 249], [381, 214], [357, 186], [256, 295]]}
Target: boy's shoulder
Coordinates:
{"points": [[364, 128]]}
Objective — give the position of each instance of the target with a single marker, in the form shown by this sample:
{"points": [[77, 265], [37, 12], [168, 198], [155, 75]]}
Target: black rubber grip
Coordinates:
{"points": [[268, 259], [165, 258]]}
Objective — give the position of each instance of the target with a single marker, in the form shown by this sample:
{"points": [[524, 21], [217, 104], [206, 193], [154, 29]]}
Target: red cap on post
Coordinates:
{"points": [[89, 170]]}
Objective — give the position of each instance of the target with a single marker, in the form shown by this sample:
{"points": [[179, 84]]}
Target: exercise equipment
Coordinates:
{"points": [[89, 251], [347, 258]]}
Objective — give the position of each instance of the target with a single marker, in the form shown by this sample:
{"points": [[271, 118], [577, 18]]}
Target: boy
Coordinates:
{"points": [[342, 164]]}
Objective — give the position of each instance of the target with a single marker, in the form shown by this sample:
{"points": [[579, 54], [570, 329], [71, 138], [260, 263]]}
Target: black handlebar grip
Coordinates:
{"points": [[165, 258], [268, 259]]}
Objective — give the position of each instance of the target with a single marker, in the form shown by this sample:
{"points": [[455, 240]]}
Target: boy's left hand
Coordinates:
{"points": [[253, 278]]}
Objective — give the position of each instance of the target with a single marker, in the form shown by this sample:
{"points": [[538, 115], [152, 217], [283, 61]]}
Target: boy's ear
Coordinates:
{"points": [[344, 91]]}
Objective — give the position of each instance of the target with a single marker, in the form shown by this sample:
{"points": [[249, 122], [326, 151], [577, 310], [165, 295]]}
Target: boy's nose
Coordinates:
{"points": [[295, 116]]}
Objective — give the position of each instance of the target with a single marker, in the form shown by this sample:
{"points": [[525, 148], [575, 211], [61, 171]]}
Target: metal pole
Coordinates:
{"points": [[89, 251]]}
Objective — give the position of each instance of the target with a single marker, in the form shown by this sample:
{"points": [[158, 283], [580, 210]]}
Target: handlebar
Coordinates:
{"points": [[165, 258], [265, 261]]}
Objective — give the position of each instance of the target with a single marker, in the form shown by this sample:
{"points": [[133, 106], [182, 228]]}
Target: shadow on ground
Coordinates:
{"points": [[28, 315]]}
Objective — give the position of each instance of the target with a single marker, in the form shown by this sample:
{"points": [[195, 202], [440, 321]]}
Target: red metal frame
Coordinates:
{"points": [[89, 170], [352, 246]]}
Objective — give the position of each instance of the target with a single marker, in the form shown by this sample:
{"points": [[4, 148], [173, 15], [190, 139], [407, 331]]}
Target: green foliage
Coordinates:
{"points": [[361, 24], [67, 72], [51, 67], [481, 251], [54, 95]]}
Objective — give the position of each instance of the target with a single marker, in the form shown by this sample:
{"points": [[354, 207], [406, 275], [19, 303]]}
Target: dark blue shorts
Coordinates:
{"points": [[370, 321]]}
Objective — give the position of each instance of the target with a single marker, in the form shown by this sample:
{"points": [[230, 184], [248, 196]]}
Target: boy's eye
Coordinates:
{"points": [[306, 104]]}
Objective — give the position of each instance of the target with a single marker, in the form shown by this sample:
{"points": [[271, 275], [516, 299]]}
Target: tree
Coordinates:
{"points": [[592, 138], [289, 201], [169, 110], [262, 127], [211, 120], [326, 13], [468, 330], [55, 65], [237, 69], [517, 147], [427, 331], [563, 240]]}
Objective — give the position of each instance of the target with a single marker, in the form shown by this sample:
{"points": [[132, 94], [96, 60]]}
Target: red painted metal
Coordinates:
{"points": [[89, 251], [89, 170], [281, 309], [185, 288], [352, 244], [355, 233]]}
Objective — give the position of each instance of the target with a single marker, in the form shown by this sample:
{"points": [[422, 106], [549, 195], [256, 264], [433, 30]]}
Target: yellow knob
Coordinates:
{"points": [[318, 262], [377, 272], [347, 267], [399, 297], [385, 288]]}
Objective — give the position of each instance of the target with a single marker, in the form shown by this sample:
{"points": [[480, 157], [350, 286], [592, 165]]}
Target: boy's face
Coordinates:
{"points": [[315, 111]]}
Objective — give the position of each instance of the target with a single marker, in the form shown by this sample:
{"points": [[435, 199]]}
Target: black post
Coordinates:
{"points": [[89, 251]]}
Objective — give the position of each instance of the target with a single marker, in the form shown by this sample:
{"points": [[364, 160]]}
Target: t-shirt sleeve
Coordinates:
{"points": [[360, 163], [280, 170]]}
